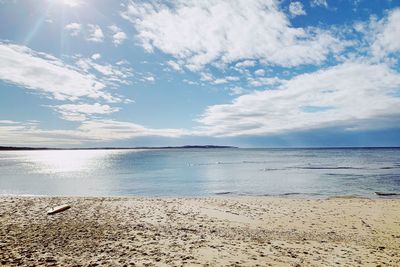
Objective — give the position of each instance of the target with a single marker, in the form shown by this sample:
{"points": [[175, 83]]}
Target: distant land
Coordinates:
{"points": [[5, 148], [97, 148]]}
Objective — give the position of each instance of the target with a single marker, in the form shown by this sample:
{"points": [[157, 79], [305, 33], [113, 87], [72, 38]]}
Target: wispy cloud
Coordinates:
{"points": [[125, 130], [96, 56], [48, 75], [118, 35], [95, 33], [174, 65], [245, 64], [227, 32], [80, 112], [73, 28], [226, 79], [237, 90], [315, 3], [149, 78], [259, 72], [376, 39], [385, 34], [296, 9], [261, 81], [109, 74]]}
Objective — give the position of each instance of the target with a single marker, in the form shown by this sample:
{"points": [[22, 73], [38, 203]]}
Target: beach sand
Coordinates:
{"points": [[220, 231]]}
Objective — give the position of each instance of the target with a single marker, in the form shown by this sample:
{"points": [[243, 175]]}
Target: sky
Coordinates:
{"points": [[248, 73]]}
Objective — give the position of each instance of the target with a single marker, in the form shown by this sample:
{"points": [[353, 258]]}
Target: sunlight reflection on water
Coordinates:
{"points": [[67, 160], [191, 172]]}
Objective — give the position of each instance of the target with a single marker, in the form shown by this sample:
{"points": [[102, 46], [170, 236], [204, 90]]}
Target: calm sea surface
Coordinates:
{"points": [[200, 172]]}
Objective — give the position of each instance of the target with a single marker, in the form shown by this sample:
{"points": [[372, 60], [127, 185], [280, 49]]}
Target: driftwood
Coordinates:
{"points": [[387, 194], [58, 209]]}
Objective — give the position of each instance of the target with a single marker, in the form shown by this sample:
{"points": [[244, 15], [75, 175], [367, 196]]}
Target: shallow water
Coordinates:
{"points": [[201, 172]]}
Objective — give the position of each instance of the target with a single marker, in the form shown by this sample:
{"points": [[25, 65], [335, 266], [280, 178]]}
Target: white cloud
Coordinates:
{"points": [[119, 38], [245, 64], [73, 28], [110, 74], [122, 62], [315, 3], [232, 78], [29, 133], [48, 75], [111, 130], [190, 82], [206, 76], [237, 90], [359, 27], [225, 80], [347, 95], [220, 81], [261, 81], [259, 72], [386, 34], [174, 65], [150, 78], [96, 56], [114, 28], [118, 35], [79, 112], [226, 31], [95, 33], [296, 9]]}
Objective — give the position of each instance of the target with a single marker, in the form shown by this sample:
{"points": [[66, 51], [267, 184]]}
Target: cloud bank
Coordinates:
{"points": [[348, 95], [23, 133]]}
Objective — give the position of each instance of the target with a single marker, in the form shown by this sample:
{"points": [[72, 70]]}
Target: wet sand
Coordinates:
{"points": [[220, 231]]}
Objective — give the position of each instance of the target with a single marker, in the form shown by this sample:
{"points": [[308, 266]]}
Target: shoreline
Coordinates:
{"points": [[300, 196], [220, 230]]}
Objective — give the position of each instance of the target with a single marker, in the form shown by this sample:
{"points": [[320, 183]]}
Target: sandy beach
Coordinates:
{"points": [[220, 231]]}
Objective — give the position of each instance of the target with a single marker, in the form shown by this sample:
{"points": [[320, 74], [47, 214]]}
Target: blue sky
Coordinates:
{"points": [[252, 73]]}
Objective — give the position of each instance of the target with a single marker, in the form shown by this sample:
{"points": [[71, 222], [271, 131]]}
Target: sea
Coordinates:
{"points": [[201, 172]]}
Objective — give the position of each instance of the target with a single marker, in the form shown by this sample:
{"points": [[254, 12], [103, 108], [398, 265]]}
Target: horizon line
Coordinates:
{"points": [[10, 148]]}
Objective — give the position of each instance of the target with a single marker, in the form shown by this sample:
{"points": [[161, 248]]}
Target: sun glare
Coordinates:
{"points": [[52, 161], [71, 3]]}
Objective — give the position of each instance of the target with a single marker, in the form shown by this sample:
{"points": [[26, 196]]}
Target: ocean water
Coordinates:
{"points": [[200, 172]]}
